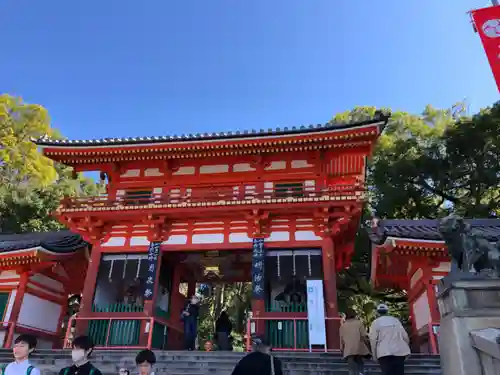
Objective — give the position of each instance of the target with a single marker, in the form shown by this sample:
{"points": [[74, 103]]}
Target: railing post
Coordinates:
{"points": [[66, 343], [294, 334], [432, 339], [150, 333], [249, 325], [108, 332]]}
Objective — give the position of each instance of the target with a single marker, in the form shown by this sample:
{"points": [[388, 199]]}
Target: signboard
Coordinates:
{"points": [[487, 23], [152, 263], [258, 257], [316, 313]]}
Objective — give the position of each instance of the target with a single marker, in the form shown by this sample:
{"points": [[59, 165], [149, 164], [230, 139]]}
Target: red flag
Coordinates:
{"points": [[487, 23]]}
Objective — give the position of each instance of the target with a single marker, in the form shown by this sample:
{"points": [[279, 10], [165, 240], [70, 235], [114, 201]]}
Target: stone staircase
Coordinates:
{"points": [[217, 363]]}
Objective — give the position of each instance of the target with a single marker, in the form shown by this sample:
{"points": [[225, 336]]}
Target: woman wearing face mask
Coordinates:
{"points": [[82, 349]]}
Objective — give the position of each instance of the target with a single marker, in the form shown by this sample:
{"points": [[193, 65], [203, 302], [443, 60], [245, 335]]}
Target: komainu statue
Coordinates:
{"points": [[470, 252]]}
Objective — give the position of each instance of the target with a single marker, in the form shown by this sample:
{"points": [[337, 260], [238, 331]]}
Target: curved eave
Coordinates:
{"points": [[405, 246], [378, 121], [404, 250], [101, 153], [24, 257]]}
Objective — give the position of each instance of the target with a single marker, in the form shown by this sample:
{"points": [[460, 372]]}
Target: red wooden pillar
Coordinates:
{"points": [[191, 287], [16, 308], [174, 341], [90, 282], [88, 290], [330, 293]]}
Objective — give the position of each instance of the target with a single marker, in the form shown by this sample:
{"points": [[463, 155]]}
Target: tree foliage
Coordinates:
{"points": [[31, 185], [424, 166]]}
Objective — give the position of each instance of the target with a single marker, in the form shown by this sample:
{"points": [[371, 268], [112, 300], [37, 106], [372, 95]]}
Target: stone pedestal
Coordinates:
{"points": [[466, 306]]}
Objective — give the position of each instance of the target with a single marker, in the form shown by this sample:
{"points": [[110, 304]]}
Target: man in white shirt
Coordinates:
{"points": [[24, 345], [389, 342]]}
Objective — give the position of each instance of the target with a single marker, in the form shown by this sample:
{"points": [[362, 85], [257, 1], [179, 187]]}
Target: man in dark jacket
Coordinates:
{"points": [[223, 328], [80, 354], [260, 361], [189, 316]]}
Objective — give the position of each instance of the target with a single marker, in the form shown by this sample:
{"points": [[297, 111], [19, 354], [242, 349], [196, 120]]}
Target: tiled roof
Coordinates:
{"points": [[62, 242], [428, 229], [47, 141]]}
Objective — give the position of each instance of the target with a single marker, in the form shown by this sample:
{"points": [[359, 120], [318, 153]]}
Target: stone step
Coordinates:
{"points": [[218, 363]]}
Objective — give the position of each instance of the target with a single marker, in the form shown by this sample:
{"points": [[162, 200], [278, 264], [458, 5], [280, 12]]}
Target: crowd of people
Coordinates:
{"points": [[81, 352], [386, 342]]}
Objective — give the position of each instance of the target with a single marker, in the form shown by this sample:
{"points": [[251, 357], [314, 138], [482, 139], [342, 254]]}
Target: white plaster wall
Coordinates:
{"points": [[46, 316], [47, 281], [138, 241], [152, 172], [443, 267], [176, 239], [206, 169], [239, 238], [416, 276], [421, 310], [208, 238], [115, 241], [132, 173], [276, 165], [279, 236], [185, 171], [9, 275], [8, 310], [301, 164], [243, 167], [306, 235]]}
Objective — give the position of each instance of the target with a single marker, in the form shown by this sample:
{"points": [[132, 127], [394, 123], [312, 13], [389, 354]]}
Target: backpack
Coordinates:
{"points": [[66, 371], [28, 371]]}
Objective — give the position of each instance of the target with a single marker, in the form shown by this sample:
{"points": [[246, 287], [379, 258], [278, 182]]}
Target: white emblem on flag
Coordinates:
{"points": [[491, 28]]}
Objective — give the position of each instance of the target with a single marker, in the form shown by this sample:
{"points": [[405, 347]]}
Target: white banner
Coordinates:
{"points": [[316, 313]]}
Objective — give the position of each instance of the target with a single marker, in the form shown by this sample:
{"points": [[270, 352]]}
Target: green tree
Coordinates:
{"points": [[424, 166], [20, 159], [31, 186]]}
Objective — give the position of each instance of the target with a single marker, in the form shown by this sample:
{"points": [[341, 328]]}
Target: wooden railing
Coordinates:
{"points": [[214, 195]]}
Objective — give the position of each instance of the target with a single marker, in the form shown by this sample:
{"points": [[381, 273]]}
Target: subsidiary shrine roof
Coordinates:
{"points": [[397, 243], [62, 242], [427, 229]]}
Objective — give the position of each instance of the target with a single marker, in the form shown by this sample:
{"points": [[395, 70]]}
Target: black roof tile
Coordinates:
{"points": [[62, 242], [47, 141], [427, 229]]}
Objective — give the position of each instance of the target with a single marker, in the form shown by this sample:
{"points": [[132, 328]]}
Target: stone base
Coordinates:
{"points": [[466, 306]]}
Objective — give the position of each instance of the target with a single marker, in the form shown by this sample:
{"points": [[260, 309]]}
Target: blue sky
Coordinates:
{"points": [[122, 68]]}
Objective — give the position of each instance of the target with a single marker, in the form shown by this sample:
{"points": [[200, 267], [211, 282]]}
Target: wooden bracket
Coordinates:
{"points": [[159, 228], [259, 163], [258, 224]]}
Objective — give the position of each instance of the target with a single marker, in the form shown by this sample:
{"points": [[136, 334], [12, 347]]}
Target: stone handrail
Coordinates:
{"points": [[485, 342]]}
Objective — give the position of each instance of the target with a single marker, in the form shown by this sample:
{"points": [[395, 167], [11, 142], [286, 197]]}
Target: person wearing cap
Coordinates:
{"points": [[260, 361], [354, 343], [390, 342]]}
